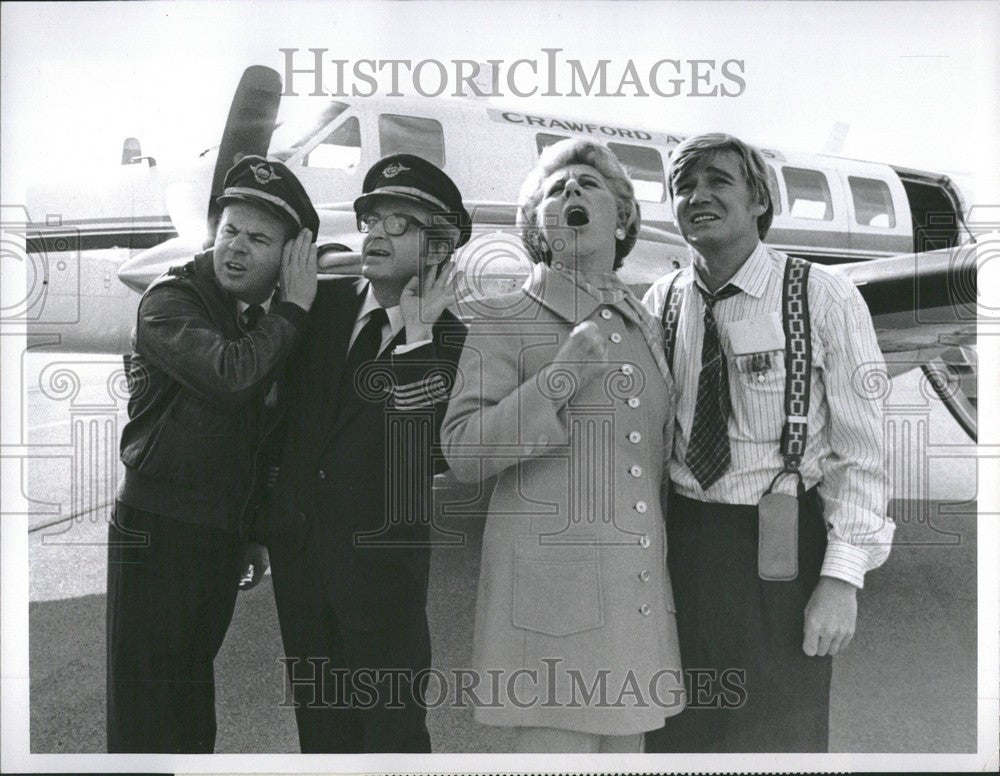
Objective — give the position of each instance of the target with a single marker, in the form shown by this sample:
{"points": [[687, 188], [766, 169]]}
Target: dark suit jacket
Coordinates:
{"points": [[356, 474]]}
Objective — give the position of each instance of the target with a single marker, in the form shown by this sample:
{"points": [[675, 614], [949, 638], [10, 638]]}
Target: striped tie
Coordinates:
{"points": [[708, 454]]}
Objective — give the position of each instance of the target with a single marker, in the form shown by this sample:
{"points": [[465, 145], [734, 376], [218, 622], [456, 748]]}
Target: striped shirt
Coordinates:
{"points": [[845, 452]]}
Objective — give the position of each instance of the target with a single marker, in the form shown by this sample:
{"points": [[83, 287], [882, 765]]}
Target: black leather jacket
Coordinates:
{"points": [[197, 384]]}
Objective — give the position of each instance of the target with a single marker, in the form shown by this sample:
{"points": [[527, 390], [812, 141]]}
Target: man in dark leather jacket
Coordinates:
{"points": [[204, 356]]}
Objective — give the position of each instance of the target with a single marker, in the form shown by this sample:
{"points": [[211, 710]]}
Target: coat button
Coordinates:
{"points": [[644, 610], [640, 507], [615, 337], [627, 369], [644, 542], [634, 437], [761, 378], [635, 470], [606, 314], [633, 402], [644, 575], [322, 474], [302, 517]]}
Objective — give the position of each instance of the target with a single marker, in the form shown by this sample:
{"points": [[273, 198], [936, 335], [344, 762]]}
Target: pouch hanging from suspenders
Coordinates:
{"points": [[777, 513]]}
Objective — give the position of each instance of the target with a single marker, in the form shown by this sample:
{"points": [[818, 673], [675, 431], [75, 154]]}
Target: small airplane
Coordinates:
{"points": [[897, 232]]}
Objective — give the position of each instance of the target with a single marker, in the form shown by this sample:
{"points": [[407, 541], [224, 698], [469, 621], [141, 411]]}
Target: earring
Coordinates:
{"points": [[620, 233]]}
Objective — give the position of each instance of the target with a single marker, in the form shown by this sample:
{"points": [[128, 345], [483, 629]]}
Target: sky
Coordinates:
{"points": [[916, 83]]}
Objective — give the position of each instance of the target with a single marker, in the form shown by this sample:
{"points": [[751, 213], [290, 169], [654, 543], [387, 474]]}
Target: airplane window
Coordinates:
{"points": [[872, 202], [645, 168], [772, 187], [543, 140], [808, 194], [411, 135], [340, 150], [298, 124]]}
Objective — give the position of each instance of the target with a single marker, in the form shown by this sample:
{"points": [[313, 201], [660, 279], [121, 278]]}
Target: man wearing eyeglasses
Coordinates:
{"points": [[350, 521]]}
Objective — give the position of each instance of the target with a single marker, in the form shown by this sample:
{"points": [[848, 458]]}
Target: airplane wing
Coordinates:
{"points": [[924, 309]]}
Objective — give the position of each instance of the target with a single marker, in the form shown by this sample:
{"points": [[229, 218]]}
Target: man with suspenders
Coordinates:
{"points": [[778, 474]]}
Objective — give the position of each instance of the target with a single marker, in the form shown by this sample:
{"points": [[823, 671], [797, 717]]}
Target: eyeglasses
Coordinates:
{"points": [[395, 224]]}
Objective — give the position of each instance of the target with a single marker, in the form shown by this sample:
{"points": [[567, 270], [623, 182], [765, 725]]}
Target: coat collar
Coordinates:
{"points": [[204, 266], [559, 294]]}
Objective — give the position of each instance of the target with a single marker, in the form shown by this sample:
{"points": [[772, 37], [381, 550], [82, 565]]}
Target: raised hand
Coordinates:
{"points": [[584, 354], [298, 270], [424, 299]]}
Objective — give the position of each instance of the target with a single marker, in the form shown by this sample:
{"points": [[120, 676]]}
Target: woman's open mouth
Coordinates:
{"points": [[576, 215]]}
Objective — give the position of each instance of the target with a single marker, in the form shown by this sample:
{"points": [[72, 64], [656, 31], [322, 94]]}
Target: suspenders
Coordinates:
{"points": [[798, 357], [798, 365]]}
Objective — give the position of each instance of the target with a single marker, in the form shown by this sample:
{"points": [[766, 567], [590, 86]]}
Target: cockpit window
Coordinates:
{"points": [[411, 135], [340, 150], [299, 125]]}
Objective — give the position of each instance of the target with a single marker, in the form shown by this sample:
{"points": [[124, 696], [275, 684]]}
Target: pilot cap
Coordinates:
{"points": [[405, 176], [259, 180]]}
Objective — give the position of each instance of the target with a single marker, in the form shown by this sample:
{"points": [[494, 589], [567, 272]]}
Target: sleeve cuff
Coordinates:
{"points": [[541, 423], [292, 313], [845, 561], [407, 347]]}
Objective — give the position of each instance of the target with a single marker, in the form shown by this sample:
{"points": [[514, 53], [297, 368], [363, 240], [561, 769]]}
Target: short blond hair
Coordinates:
{"points": [[693, 150]]}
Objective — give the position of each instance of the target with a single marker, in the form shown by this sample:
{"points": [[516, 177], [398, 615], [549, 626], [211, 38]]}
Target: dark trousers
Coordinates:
{"points": [[751, 688], [171, 593], [332, 666]]}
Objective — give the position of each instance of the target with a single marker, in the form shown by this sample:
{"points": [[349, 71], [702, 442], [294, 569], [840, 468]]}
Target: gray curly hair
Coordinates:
{"points": [[563, 154]]}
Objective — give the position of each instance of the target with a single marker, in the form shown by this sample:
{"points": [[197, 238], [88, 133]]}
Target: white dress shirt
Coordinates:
{"points": [[389, 331], [242, 306], [845, 451]]}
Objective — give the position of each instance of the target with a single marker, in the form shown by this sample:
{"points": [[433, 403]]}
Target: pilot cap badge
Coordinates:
{"points": [[394, 169], [263, 173]]}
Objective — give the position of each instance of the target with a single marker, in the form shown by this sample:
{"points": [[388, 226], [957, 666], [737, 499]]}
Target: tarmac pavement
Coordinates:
{"points": [[907, 683]]}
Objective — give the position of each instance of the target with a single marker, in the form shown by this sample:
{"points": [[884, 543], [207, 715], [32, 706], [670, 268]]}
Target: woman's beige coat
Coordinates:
{"points": [[575, 620]]}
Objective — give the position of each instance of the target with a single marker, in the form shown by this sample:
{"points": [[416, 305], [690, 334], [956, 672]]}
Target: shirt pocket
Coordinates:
{"points": [[557, 589], [763, 371], [759, 395]]}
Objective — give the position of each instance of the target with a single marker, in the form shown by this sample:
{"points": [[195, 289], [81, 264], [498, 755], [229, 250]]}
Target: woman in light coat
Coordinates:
{"points": [[564, 396]]}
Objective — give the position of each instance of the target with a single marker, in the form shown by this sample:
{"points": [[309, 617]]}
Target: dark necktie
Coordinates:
{"points": [[250, 317], [366, 348], [708, 454]]}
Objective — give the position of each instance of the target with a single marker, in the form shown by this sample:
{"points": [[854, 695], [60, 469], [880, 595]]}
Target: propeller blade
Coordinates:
{"points": [[248, 129]]}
